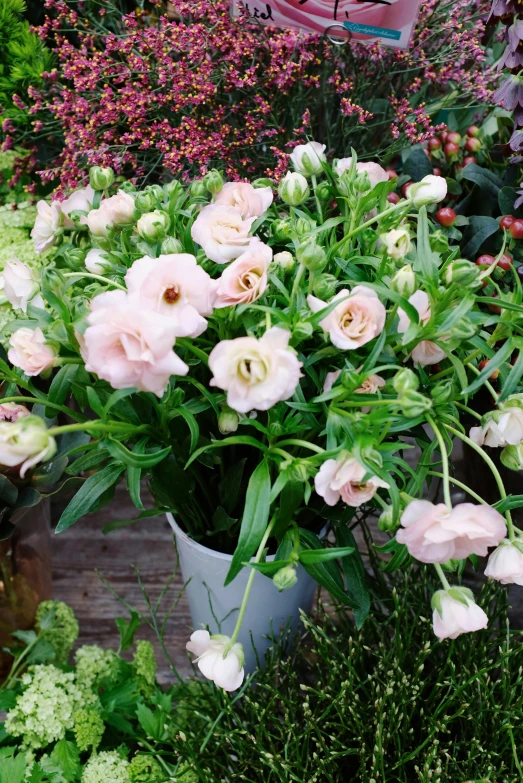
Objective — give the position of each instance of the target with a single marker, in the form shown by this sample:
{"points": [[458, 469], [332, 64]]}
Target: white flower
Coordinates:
{"points": [[115, 211], [455, 612], [397, 243], [256, 374], [343, 477], [500, 428], [95, 261], [20, 285], [25, 442], [293, 189], [430, 190], [222, 232], [308, 158], [358, 318], [30, 351], [225, 671], [175, 286], [245, 280], [374, 171], [426, 352], [46, 227], [505, 564], [81, 199], [250, 201]]}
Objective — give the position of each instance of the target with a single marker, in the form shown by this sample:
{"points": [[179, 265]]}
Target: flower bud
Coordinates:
{"points": [[463, 329], [174, 187], [303, 227], [404, 281], [198, 189], [302, 330], [442, 392], [127, 187], [350, 379], [325, 286], [156, 192], [368, 236], [512, 457], [152, 226], [405, 380], [171, 245], [263, 182], [281, 229], [276, 429], [101, 177], [299, 469], [431, 190], [285, 578], [284, 260], [311, 255], [228, 421], [25, 442], [396, 242], [323, 191], [213, 181], [386, 521], [144, 201], [293, 189], [438, 242], [414, 403], [463, 272], [75, 258]]}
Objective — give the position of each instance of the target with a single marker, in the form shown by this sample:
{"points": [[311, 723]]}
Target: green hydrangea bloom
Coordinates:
{"points": [[186, 774], [44, 710], [95, 666], [145, 666], [23, 217], [106, 767], [88, 728], [145, 769], [64, 631]]}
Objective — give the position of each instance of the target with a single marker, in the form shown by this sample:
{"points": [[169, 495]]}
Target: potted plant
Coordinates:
{"points": [[261, 360]]}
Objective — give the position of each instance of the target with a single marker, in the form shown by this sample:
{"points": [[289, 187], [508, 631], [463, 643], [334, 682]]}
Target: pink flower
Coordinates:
{"points": [[245, 280], [46, 227], [435, 534], [505, 564], [374, 171], [129, 347], [455, 612], [20, 285], [174, 286], [360, 317], [80, 199], [426, 352], [250, 201], [115, 211], [222, 232], [343, 477], [30, 352], [256, 374], [369, 386], [226, 671], [10, 411]]}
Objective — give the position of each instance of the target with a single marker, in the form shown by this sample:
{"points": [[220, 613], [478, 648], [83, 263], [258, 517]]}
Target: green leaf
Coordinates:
{"points": [[480, 228], [88, 461], [27, 637], [255, 519], [513, 379], [127, 629], [151, 722], [7, 700], [48, 473], [134, 475], [291, 498], [191, 423], [488, 181], [8, 491], [236, 440], [88, 494], [269, 568], [428, 261], [61, 386], [136, 460], [221, 521], [503, 355], [506, 199], [123, 696], [230, 486], [67, 756], [115, 397], [308, 556], [501, 303], [326, 574], [94, 401], [417, 165], [118, 523], [355, 575], [12, 770]]}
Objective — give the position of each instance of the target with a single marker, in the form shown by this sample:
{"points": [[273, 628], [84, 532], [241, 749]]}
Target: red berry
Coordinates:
{"points": [[393, 198], [506, 221], [446, 217], [484, 363], [473, 145], [469, 159], [516, 229], [454, 137], [450, 149], [437, 172], [404, 188], [473, 130], [485, 260], [494, 308], [443, 136], [434, 143], [506, 260], [391, 173]]}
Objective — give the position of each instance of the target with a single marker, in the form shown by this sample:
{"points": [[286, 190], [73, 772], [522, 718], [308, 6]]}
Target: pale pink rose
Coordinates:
{"points": [[174, 286], [505, 564], [81, 199], [11, 411], [222, 232], [456, 616], [225, 671], [245, 280], [115, 211], [360, 317], [21, 286], [426, 352], [503, 427], [343, 477], [30, 352], [369, 386], [129, 347], [374, 171], [46, 227], [435, 534], [250, 201], [256, 374]]}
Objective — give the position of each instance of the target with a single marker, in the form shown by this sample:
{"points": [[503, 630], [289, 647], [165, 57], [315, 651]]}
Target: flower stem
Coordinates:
{"points": [[97, 425], [460, 484], [304, 443], [96, 277], [495, 473], [467, 410], [38, 401], [400, 205], [318, 204], [441, 574], [296, 285], [486, 383], [444, 462]]}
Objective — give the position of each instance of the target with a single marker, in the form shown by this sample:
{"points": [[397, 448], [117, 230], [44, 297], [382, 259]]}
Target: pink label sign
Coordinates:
{"points": [[388, 21]]}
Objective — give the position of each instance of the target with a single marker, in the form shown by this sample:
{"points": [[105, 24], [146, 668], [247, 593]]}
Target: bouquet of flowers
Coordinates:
{"points": [[266, 362]]}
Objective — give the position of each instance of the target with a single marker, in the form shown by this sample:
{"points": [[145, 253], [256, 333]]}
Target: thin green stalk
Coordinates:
{"points": [[296, 285], [460, 484], [485, 383], [467, 410], [400, 205], [495, 473], [96, 277], [318, 203], [444, 461], [38, 401], [98, 425], [305, 444], [441, 574]]}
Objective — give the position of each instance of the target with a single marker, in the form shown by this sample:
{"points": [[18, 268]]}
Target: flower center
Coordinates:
{"points": [[171, 294], [252, 370]]}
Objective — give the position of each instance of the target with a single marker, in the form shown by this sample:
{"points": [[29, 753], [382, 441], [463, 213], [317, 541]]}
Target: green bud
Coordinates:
{"points": [[299, 470], [213, 181], [405, 380], [362, 182], [198, 189], [53, 280], [284, 260], [176, 398], [323, 191], [350, 379], [463, 272], [174, 187], [281, 229], [311, 255], [450, 565], [144, 201], [303, 227], [171, 245], [127, 187], [512, 457], [442, 392], [152, 226], [285, 578], [386, 521], [439, 243], [156, 192], [414, 403], [276, 429], [404, 281], [369, 236], [75, 258], [293, 189], [325, 286], [463, 330], [302, 330], [263, 182], [101, 177], [228, 421]]}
